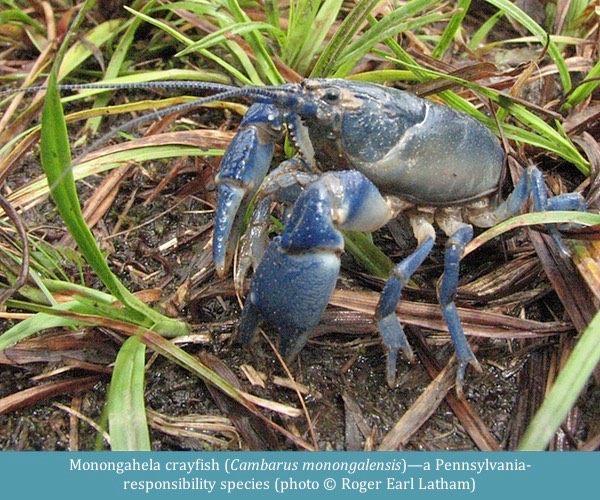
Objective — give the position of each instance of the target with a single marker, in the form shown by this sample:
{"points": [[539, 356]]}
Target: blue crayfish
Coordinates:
{"points": [[365, 154]]}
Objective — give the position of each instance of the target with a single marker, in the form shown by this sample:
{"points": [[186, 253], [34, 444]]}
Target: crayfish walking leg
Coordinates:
{"points": [[390, 328], [455, 247]]}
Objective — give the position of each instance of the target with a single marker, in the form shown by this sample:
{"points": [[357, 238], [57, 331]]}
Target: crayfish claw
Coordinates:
{"points": [[227, 225], [243, 168]]}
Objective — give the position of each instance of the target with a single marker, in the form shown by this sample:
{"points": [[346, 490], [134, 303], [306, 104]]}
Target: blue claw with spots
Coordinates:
{"points": [[243, 168], [297, 274]]}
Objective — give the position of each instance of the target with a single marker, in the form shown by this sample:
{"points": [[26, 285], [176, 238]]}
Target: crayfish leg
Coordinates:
{"points": [[531, 184], [455, 247], [390, 328]]}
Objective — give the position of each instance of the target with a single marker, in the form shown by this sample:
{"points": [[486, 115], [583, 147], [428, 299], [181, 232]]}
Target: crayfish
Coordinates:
{"points": [[365, 153]]}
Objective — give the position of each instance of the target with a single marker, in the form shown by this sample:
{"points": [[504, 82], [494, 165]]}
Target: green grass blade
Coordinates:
{"points": [[80, 51], [18, 16], [188, 41], [383, 75], [308, 28], [56, 162], [258, 45], [566, 389], [115, 67], [389, 27], [484, 30], [584, 89], [32, 326], [342, 37], [534, 28], [533, 219], [127, 422], [86, 301], [94, 296], [362, 248], [452, 28], [405, 60], [301, 16], [221, 36], [272, 13], [558, 142]]}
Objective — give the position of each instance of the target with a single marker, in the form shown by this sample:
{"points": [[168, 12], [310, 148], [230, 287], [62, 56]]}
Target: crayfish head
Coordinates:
{"points": [[332, 94], [351, 123]]}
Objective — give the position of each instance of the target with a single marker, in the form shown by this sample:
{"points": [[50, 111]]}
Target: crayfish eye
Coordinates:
{"points": [[331, 96]]}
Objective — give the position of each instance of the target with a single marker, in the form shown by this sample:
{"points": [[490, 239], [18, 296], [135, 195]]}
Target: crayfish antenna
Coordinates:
{"points": [[166, 84]]}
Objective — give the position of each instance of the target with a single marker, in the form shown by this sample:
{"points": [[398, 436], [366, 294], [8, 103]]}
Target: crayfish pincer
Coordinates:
{"points": [[365, 154]]}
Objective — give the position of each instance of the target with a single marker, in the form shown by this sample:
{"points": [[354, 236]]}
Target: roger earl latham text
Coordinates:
{"points": [[413, 483]]}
